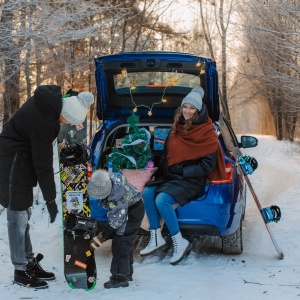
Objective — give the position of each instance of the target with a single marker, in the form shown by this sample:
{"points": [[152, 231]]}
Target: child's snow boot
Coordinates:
{"points": [[156, 242], [129, 277], [116, 281]]}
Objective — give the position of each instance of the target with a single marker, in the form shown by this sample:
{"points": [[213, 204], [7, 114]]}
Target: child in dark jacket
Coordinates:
{"points": [[125, 211]]}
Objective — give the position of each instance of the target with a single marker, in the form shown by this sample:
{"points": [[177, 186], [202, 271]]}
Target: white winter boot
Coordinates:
{"points": [[180, 247], [156, 242]]}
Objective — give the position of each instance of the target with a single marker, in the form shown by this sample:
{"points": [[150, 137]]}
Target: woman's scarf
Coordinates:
{"points": [[200, 140]]}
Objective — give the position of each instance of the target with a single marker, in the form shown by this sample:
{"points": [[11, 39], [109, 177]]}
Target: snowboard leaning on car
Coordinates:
{"points": [[247, 165]]}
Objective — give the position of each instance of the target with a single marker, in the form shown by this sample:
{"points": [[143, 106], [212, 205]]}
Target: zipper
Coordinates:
{"points": [[10, 179]]}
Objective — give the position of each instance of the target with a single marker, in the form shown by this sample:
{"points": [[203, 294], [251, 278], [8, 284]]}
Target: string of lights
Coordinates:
{"points": [[171, 82]]}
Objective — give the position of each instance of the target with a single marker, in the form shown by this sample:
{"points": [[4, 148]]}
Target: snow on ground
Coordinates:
{"points": [[206, 273]]}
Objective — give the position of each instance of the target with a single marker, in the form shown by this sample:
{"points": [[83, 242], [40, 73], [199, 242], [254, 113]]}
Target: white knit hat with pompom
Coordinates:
{"points": [[75, 108]]}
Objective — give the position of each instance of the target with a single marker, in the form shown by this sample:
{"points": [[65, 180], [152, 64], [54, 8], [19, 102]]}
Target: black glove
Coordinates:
{"points": [[108, 232], [101, 237], [52, 209]]}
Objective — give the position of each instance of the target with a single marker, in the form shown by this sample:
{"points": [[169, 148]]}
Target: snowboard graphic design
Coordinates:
{"points": [[78, 227]]}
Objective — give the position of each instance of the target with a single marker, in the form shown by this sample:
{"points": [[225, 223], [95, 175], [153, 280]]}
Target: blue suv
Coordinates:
{"points": [[151, 85]]}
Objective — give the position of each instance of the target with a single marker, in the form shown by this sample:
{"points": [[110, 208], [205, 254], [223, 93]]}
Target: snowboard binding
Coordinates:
{"points": [[75, 154], [248, 164], [78, 225], [271, 214]]}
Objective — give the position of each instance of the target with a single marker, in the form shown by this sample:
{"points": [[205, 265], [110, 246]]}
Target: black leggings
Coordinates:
{"points": [[122, 245]]}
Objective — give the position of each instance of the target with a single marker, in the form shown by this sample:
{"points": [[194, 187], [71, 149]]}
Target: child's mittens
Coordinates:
{"points": [[97, 241]]}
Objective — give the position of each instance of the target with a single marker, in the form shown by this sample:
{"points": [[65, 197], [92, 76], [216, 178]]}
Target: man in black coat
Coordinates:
{"points": [[26, 158]]}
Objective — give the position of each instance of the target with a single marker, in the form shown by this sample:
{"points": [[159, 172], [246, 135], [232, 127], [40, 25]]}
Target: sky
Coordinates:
{"points": [[206, 273]]}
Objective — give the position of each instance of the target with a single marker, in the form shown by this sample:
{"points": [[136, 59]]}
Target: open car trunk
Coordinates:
{"points": [[152, 84]]}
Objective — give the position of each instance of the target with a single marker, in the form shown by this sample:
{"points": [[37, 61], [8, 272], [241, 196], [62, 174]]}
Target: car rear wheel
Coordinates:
{"points": [[233, 244]]}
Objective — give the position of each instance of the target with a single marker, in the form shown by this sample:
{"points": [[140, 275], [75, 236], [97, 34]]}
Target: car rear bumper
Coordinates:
{"points": [[196, 218]]}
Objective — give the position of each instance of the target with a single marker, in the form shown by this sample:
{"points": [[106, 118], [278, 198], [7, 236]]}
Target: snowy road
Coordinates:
{"points": [[206, 273]]}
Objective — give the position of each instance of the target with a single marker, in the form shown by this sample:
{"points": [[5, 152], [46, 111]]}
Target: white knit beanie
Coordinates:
{"points": [[99, 186], [75, 108], [194, 97]]}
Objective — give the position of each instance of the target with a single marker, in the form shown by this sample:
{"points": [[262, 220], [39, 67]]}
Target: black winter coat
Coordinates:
{"points": [[26, 149], [184, 181]]}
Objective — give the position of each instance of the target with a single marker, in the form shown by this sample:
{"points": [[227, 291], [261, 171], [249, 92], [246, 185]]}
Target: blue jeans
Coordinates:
{"points": [[19, 238], [160, 205]]}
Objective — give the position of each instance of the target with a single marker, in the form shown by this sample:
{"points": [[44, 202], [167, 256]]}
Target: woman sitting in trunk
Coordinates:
{"points": [[191, 155]]}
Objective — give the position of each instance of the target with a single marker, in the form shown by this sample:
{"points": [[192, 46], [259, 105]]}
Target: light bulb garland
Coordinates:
{"points": [[132, 87], [171, 82], [124, 72], [163, 100], [202, 70]]}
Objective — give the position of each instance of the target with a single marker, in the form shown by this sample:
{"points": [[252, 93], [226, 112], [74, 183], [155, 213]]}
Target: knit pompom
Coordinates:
{"points": [[198, 89], [99, 185], [86, 98]]}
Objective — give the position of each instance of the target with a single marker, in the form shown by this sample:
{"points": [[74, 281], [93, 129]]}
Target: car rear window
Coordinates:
{"points": [[154, 79]]}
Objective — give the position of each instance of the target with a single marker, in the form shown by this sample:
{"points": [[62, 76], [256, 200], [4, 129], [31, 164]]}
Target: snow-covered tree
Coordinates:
{"points": [[273, 32]]}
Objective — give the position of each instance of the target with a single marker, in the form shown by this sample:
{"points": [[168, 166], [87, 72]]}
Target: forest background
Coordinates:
{"points": [[256, 44]]}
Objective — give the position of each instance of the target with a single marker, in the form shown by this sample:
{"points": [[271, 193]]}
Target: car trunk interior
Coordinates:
{"points": [[119, 132]]}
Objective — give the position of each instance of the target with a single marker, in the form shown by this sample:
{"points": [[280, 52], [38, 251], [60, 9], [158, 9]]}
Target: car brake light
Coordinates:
{"points": [[89, 170], [229, 168]]}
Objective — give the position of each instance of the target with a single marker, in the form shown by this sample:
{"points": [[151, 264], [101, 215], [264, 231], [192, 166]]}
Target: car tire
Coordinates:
{"points": [[233, 244]]}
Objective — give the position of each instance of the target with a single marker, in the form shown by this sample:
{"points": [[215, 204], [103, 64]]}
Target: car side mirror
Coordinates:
{"points": [[248, 141]]}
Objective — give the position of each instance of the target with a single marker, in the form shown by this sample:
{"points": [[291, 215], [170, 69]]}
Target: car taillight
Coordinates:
{"points": [[229, 168], [89, 171]]}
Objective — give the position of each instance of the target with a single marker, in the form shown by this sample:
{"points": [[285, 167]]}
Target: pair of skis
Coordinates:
{"points": [[267, 214]]}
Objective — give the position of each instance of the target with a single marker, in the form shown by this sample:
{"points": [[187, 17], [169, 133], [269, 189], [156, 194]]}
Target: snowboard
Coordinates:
{"points": [[237, 154], [78, 227]]}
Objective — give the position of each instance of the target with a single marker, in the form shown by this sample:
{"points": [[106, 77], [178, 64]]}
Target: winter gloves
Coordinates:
{"points": [[52, 209], [97, 241], [103, 236]]}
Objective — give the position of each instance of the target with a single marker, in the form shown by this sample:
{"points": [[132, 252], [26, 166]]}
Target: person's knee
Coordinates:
{"points": [[148, 194], [161, 201]]}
